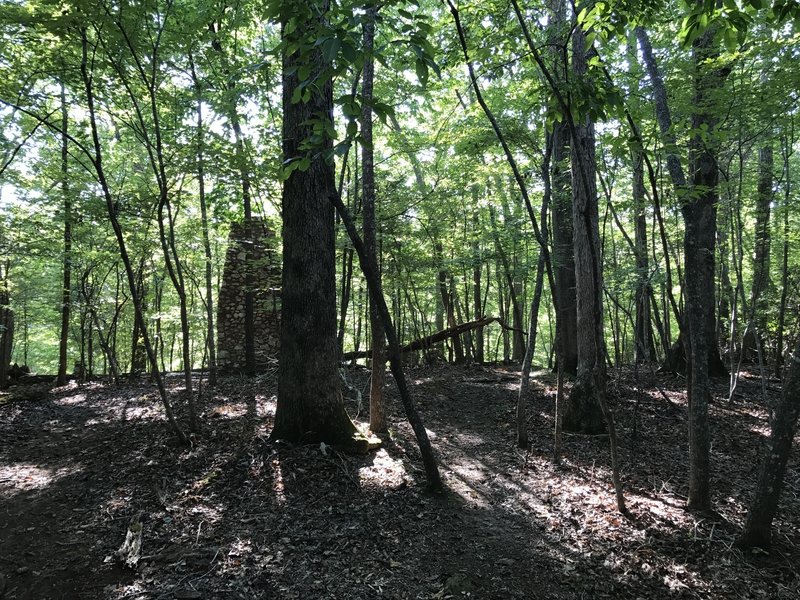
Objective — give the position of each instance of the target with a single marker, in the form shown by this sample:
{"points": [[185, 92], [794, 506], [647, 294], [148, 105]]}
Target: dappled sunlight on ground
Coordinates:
{"points": [[227, 408], [72, 400], [21, 477], [278, 487], [231, 410], [239, 516], [383, 472]]}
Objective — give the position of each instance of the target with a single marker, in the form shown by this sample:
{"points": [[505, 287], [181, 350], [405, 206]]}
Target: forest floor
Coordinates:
{"points": [[238, 517]]}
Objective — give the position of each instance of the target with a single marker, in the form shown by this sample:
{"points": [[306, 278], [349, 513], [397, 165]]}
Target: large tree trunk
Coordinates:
{"points": [[563, 255], [757, 528], [582, 411], [310, 407], [66, 286], [377, 417], [562, 218]]}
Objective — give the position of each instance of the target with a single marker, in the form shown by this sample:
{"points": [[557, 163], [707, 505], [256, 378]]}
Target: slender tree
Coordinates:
{"points": [[377, 417], [66, 289]]}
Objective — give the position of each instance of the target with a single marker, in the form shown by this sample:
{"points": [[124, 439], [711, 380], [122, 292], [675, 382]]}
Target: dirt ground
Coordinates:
{"points": [[237, 516]]}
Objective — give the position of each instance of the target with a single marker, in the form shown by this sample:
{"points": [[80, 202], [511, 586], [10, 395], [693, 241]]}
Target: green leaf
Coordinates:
{"points": [[421, 68], [330, 48]]}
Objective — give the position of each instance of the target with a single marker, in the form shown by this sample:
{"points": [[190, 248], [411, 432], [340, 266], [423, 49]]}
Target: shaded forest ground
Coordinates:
{"points": [[239, 517]]}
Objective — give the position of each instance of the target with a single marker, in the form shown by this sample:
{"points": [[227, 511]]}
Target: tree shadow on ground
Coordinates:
{"points": [[237, 516]]}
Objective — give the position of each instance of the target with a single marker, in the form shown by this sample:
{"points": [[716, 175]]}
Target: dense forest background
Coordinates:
{"points": [[187, 104], [604, 193]]}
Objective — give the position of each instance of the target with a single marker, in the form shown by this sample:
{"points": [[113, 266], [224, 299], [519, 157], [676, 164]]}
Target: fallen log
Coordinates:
{"points": [[428, 341]]}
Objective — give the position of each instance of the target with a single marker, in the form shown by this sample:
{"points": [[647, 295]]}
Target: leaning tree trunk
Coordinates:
{"points": [[582, 411], [758, 526], [713, 362], [394, 355], [310, 407], [96, 157]]}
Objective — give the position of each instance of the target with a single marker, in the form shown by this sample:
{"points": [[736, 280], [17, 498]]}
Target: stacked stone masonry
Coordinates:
{"points": [[257, 252]]}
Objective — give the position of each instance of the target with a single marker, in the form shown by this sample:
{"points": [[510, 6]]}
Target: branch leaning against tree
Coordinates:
{"points": [[414, 419]]}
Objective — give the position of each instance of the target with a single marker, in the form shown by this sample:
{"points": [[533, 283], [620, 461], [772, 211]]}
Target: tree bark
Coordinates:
{"points": [[377, 417], [645, 349], [562, 209], [700, 214], [66, 286], [761, 260], [6, 327], [582, 411], [310, 407], [211, 344], [758, 526], [786, 151], [684, 192]]}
